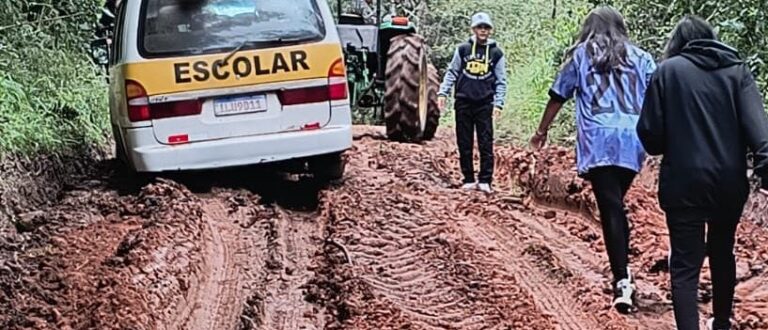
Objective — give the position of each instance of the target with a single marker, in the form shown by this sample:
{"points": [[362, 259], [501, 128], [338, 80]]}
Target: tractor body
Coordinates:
{"points": [[382, 53]]}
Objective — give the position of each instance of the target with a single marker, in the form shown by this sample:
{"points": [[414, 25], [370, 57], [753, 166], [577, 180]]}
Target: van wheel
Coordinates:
{"points": [[328, 167]]}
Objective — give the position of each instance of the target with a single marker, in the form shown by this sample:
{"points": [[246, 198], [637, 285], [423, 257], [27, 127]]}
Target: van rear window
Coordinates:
{"points": [[185, 27]]}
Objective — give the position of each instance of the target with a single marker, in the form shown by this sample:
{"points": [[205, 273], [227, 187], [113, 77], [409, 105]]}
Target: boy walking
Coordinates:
{"points": [[478, 73]]}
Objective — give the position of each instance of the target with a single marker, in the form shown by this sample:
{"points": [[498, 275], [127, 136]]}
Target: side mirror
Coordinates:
{"points": [[100, 51]]}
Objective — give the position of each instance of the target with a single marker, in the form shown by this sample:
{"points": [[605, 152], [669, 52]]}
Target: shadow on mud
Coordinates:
{"points": [[294, 192]]}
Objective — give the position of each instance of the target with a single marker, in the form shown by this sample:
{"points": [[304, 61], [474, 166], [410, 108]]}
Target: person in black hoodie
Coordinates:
{"points": [[703, 111]]}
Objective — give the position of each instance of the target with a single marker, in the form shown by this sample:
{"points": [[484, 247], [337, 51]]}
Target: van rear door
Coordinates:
{"points": [[238, 68]]}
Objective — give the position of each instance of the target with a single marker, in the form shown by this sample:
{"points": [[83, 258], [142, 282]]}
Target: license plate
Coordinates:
{"points": [[239, 105]]}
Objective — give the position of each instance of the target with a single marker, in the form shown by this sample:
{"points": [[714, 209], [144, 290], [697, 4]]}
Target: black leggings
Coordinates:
{"points": [[687, 231], [610, 184]]}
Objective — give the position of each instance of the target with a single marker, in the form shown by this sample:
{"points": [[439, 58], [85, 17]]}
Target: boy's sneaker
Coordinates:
{"points": [[485, 187], [469, 186], [624, 296]]}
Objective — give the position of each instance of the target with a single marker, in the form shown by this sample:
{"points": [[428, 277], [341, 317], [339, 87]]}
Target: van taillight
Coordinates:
{"points": [[303, 95], [139, 108], [335, 90], [138, 102], [176, 109], [337, 81]]}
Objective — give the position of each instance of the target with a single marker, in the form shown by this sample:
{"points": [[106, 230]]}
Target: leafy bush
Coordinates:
{"points": [[51, 95]]}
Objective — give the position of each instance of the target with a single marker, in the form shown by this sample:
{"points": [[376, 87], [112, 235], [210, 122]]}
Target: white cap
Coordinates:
{"points": [[481, 19]]}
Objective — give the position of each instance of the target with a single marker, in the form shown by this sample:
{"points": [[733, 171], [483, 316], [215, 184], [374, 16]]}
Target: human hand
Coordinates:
{"points": [[538, 140], [496, 113], [441, 103], [764, 192]]}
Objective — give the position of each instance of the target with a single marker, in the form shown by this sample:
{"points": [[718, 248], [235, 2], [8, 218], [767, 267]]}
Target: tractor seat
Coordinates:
{"points": [[352, 19]]}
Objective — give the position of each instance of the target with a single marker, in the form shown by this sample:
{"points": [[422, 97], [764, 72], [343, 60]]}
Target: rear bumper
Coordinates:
{"points": [[146, 155]]}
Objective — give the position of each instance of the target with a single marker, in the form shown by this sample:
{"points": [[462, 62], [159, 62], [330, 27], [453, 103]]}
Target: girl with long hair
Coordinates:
{"points": [[608, 76]]}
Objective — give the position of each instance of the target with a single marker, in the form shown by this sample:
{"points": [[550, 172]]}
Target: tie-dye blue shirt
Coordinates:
{"points": [[607, 108]]}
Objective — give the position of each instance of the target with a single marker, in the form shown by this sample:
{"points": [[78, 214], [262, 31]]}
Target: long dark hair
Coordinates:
{"points": [[604, 34], [690, 27]]}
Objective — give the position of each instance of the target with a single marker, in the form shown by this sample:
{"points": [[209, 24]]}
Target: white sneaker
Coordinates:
{"points": [[624, 294], [711, 324], [469, 186], [485, 187]]}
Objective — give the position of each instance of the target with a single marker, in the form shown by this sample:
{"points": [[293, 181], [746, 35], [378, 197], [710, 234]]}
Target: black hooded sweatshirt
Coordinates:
{"points": [[703, 112]]}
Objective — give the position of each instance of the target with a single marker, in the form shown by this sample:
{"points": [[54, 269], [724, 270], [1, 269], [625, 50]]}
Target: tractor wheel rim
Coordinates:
{"points": [[423, 97]]}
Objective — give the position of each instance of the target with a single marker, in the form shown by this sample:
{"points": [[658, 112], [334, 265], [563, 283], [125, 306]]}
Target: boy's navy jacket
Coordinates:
{"points": [[703, 112], [478, 73]]}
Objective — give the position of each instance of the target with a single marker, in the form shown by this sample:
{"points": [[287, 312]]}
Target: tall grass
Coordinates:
{"points": [[51, 96]]}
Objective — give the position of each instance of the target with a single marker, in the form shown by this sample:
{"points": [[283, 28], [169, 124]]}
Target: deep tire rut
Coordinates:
{"points": [[554, 298], [214, 301]]}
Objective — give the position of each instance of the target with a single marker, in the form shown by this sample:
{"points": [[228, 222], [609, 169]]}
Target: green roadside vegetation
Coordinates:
{"points": [[53, 98]]}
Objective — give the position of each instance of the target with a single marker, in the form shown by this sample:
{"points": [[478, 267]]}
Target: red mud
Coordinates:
{"points": [[394, 246]]}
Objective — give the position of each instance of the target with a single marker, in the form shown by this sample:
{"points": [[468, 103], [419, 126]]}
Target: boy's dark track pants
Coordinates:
{"points": [[470, 118]]}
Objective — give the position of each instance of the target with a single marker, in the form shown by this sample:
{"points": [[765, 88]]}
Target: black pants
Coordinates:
{"points": [[610, 184], [687, 237], [470, 117]]}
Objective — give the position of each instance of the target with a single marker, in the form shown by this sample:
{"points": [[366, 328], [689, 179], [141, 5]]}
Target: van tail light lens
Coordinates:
{"points": [[303, 95], [139, 108], [337, 81], [138, 102], [335, 90], [176, 109]]}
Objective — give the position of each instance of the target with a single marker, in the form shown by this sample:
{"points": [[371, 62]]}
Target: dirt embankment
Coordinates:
{"points": [[394, 246]]}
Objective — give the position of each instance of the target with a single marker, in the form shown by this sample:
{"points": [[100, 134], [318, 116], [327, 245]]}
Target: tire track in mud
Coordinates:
{"points": [[271, 248], [408, 264], [555, 298], [294, 238], [569, 245], [214, 302]]}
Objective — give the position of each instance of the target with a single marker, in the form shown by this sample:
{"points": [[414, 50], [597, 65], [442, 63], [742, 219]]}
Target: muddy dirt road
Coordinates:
{"points": [[394, 246]]}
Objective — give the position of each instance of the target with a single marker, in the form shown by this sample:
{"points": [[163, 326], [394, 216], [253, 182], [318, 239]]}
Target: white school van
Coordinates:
{"points": [[200, 84]]}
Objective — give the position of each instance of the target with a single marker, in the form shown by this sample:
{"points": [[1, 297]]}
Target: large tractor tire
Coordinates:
{"points": [[410, 98], [433, 110]]}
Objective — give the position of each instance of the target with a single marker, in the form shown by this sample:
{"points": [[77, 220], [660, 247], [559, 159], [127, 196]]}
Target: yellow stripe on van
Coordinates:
{"points": [[190, 73]]}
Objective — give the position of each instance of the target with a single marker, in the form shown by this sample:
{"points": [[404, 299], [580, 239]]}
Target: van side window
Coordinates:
{"points": [[117, 37]]}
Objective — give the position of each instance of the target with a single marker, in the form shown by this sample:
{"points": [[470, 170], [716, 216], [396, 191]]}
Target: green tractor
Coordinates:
{"points": [[391, 79]]}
